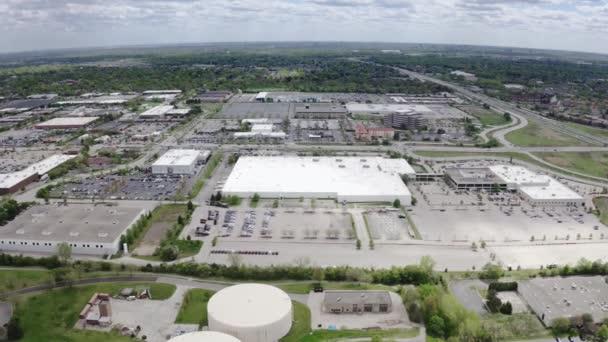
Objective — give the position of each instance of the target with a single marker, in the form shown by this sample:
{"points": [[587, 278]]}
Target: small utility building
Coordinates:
{"points": [[339, 302]]}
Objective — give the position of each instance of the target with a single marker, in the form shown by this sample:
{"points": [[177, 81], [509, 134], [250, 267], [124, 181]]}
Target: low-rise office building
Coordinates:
{"points": [[179, 162], [88, 229]]}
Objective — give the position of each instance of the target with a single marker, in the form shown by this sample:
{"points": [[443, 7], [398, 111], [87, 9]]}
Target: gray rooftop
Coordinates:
{"points": [[357, 297], [482, 175], [72, 223], [321, 108]]}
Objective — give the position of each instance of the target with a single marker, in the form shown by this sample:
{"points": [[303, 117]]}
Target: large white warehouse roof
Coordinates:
{"points": [[204, 336], [355, 179], [251, 312]]}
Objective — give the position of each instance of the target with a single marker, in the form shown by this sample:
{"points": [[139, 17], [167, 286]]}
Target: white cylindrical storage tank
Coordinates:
{"points": [[204, 336], [251, 312]]}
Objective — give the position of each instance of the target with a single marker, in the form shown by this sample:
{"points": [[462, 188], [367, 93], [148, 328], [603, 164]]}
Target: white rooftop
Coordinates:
{"points": [[348, 178], [258, 127], [70, 121], [386, 108], [536, 186], [178, 157], [262, 95], [166, 91], [10, 179], [157, 111], [204, 336]]}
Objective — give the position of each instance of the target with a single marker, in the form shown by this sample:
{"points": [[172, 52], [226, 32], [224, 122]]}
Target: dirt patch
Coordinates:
{"points": [[163, 218], [558, 161]]}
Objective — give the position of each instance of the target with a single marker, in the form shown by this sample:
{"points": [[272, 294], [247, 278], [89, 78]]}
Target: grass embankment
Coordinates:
{"points": [[601, 203], [595, 131], [194, 307], [13, 279], [487, 117], [301, 331], [590, 163], [51, 316], [212, 164], [305, 288], [536, 135]]}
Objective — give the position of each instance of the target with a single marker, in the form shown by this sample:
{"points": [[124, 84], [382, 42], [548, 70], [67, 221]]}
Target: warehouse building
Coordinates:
{"points": [[13, 182], [161, 92], [350, 179], [156, 113], [182, 162], [67, 123], [320, 111], [88, 229], [18, 106], [536, 189], [211, 96], [358, 302], [539, 190], [251, 312]]}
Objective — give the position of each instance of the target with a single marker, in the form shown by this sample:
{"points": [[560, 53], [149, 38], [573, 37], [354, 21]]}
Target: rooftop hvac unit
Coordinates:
{"points": [[102, 234], [342, 166], [46, 233], [338, 159], [74, 234], [366, 166], [363, 160], [20, 231], [315, 159]]}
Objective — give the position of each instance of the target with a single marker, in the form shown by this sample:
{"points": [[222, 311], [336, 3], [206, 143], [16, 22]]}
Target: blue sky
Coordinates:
{"points": [[555, 24]]}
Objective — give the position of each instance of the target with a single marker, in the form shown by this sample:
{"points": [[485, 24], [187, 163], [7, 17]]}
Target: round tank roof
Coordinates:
{"points": [[204, 336], [249, 305]]}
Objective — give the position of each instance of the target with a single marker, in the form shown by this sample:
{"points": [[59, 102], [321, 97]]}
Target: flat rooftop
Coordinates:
{"points": [[536, 186], [68, 121], [387, 108], [357, 297], [72, 223], [321, 108], [566, 297], [473, 175], [40, 168], [350, 178], [179, 157], [157, 111]]}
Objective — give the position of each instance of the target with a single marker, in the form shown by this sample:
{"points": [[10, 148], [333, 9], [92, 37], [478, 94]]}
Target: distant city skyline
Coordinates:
{"points": [[577, 25]]}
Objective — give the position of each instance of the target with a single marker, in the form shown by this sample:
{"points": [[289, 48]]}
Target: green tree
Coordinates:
{"points": [[561, 326], [169, 253], [318, 274], [493, 302], [64, 252], [436, 326], [491, 271], [13, 329], [506, 308], [396, 203]]}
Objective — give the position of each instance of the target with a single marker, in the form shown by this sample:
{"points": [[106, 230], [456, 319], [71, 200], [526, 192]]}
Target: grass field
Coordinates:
{"points": [[601, 203], [305, 288], [536, 135], [590, 163], [486, 117], [11, 280], [515, 327], [598, 132], [51, 315], [194, 307], [301, 331]]}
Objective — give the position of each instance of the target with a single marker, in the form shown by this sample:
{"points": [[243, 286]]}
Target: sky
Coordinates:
{"points": [[579, 25]]}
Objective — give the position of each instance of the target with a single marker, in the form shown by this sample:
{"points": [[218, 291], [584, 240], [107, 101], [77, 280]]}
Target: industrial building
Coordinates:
{"points": [[204, 336], [67, 123], [251, 312], [88, 229], [350, 179], [164, 91], [156, 113], [18, 106], [539, 190], [536, 189], [13, 182], [182, 162], [211, 96], [338, 302], [320, 111]]}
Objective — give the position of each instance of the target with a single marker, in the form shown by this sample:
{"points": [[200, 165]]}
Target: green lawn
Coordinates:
{"points": [[590, 163], [601, 203], [305, 288], [194, 307], [536, 135], [301, 331], [13, 279], [515, 327], [50, 316], [596, 131], [486, 117]]}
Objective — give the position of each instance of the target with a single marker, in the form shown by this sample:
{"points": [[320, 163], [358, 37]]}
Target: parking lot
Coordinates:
{"points": [[388, 226], [137, 186], [445, 214]]}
